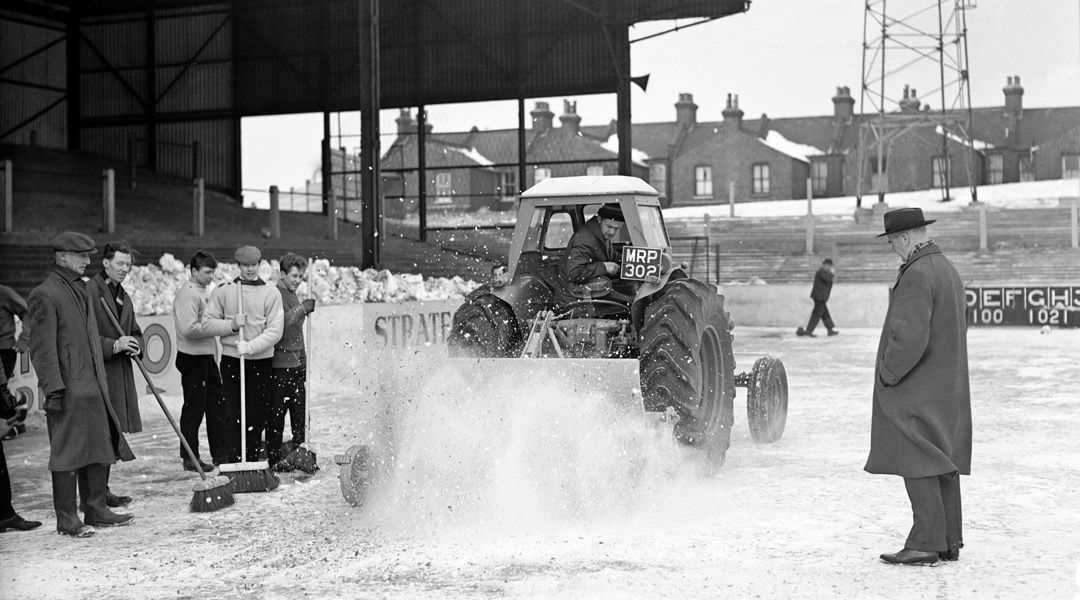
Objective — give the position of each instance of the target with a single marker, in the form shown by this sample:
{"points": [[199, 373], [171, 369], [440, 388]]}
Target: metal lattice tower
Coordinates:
{"points": [[924, 49]]}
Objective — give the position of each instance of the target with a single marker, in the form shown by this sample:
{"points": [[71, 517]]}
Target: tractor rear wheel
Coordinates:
{"points": [[767, 400], [484, 327], [687, 363]]}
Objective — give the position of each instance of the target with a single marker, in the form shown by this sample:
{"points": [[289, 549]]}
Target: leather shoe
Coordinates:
{"points": [[800, 332], [19, 523], [950, 555], [190, 466], [907, 556], [115, 520], [82, 531], [834, 332], [114, 501]]}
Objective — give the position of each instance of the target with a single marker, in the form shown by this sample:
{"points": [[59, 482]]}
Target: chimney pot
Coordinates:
{"points": [[542, 117], [685, 111], [570, 119]]}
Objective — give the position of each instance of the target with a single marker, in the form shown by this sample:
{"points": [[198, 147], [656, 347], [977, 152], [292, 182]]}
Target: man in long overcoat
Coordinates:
{"points": [[921, 420], [118, 346], [65, 347]]}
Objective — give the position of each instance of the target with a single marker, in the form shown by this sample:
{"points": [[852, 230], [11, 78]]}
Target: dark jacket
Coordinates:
{"points": [[289, 350], [586, 254], [11, 305], [921, 420], [119, 371], [65, 347], [822, 285]]}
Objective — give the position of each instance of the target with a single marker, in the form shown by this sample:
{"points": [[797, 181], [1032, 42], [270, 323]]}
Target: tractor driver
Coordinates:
{"points": [[590, 254]]}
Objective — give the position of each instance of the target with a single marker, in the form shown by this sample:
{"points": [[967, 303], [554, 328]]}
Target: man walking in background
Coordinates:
{"points": [[288, 393], [119, 346], [195, 359], [65, 347], [260, 323], [920, 426], [823, 281]]}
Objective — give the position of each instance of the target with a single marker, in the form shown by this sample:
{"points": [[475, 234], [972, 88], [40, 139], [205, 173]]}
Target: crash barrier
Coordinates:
{"points": [[341, 335]]}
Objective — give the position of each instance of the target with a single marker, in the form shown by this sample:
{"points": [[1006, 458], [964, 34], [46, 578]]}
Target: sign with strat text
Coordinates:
{"points": [[1036, 305], [640, 264]]}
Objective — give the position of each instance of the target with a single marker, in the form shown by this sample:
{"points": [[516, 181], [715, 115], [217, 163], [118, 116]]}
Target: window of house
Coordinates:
{"points": [[444, 187], [703, 180], [819, 176], [996, 172], [540, 174], [940, 172], [594, 171], [658, 178], [508, 184], [1070, 166], [760, 176]]}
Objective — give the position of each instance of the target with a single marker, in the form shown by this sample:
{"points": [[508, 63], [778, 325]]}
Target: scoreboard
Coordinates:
{"points": [[1037, 305]]}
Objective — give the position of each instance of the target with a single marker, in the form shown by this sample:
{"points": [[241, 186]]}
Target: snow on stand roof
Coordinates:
{"points": [[589, 185]]}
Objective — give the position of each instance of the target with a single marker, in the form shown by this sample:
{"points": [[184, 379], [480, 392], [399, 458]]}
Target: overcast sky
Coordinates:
{"points": [[784, 58]]}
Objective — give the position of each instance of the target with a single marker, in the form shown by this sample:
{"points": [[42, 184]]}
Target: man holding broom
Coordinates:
{"points": [[288, 382], [65, 346], [260, 328]]}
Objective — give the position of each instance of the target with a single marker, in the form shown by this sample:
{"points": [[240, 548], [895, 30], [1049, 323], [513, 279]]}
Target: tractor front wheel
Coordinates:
{"points": [[484, 327], [767, 400]]}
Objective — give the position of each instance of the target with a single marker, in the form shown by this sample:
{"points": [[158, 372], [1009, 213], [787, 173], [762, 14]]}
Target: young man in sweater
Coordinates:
{"points": [[289, 373], [195, 359], [262, 324]]}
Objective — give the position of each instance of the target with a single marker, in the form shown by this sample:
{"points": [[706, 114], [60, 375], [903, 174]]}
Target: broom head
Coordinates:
{"points": [[212, 494], [250, 477]]}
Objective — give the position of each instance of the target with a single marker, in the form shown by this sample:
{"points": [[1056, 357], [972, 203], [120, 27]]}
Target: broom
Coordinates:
{"points": [[247, 476], [212, 493]]}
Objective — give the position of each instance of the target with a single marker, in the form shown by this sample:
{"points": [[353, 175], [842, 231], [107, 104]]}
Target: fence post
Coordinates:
{"points": [[198, 208], [731, 198], [275, 213], [982, 227], [809, 216], [108, 201], [9, 201], [331, 215], [1075, 226], [708, 242]]}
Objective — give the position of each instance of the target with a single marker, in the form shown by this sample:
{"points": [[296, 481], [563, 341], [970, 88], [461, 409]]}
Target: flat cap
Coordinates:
{"points": [[73, 241], [611, 211], [247, 255]]}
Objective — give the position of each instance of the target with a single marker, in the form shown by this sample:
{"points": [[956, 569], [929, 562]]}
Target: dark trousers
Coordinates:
{"points": [[9, 356], [820, 313], [201, 382], [287, 395], [935, 508], [257, 383], [6, 509]]}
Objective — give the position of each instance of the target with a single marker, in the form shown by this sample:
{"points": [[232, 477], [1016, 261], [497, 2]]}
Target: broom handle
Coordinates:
{"points": [[243, 382], [161, 403], [307, 358]]}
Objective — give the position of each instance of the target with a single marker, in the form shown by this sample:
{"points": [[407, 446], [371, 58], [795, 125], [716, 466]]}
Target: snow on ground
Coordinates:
{"points": [[1032, 194], [548, 494]]}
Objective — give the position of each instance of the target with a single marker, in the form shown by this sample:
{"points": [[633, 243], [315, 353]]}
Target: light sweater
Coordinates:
{"points": [[194, 333], [265, 319]]}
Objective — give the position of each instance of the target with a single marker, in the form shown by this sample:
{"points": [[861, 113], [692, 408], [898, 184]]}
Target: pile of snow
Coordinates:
{"points": [[153, 287]]}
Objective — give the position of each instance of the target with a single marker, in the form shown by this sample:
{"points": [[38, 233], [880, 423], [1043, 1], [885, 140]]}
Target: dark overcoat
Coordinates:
{"points": [[586, 254], [921, 419], [119, 371], [65, 348], [822, 285]]}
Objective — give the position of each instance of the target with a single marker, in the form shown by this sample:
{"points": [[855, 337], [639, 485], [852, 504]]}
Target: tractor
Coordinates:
{"points": [[654, 335]]}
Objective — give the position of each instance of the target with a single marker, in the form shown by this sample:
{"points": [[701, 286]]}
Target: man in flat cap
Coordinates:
{"points": [[119, 346], [920, 426], [253, 336], [65, 347]]}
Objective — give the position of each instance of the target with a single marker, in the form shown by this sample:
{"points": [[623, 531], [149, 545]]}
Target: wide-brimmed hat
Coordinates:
{"points": [[611, 211], [73, 241], [903, 219]]}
